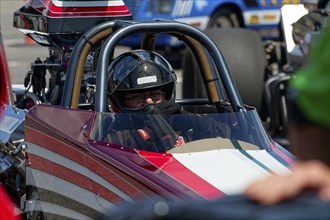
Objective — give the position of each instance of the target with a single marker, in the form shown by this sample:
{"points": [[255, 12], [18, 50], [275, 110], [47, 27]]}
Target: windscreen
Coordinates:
{"points": [[161, 133]]}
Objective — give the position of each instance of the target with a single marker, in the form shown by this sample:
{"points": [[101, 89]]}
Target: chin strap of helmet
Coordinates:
{"points": [[145, 109]]}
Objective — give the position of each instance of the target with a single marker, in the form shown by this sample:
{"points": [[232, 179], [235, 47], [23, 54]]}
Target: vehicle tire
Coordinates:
{"points": [[244, 53], [224, 18]]}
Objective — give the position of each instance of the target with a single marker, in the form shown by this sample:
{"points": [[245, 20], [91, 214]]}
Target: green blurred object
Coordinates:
{"points": [[312, 82]]}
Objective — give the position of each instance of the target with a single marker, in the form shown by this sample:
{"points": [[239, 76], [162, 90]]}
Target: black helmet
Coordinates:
{"points": [[139, 70]]}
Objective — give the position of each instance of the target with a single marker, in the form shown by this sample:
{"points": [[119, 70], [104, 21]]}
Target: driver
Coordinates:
{"points": [[143, 81], [139, 81]]}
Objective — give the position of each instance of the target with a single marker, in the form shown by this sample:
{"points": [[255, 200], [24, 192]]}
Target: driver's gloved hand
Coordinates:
{"points": [[167, 107]]}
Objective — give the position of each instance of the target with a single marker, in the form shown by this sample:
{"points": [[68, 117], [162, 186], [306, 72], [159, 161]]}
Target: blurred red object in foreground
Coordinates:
{"points": [[7, 211]]}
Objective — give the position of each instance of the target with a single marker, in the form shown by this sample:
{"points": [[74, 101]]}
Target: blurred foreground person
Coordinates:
{"points": [[304, 194], [309, 132]]}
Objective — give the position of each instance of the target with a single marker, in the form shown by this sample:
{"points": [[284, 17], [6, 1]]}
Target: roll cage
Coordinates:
{"points": [[217, 77]]}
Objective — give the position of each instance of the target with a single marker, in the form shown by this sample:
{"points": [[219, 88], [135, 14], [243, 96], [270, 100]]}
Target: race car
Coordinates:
{"points": [[61, 166], [72, 172]]}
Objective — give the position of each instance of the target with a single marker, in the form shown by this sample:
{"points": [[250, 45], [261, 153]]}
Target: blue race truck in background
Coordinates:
{"points": [[260, 15]]}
